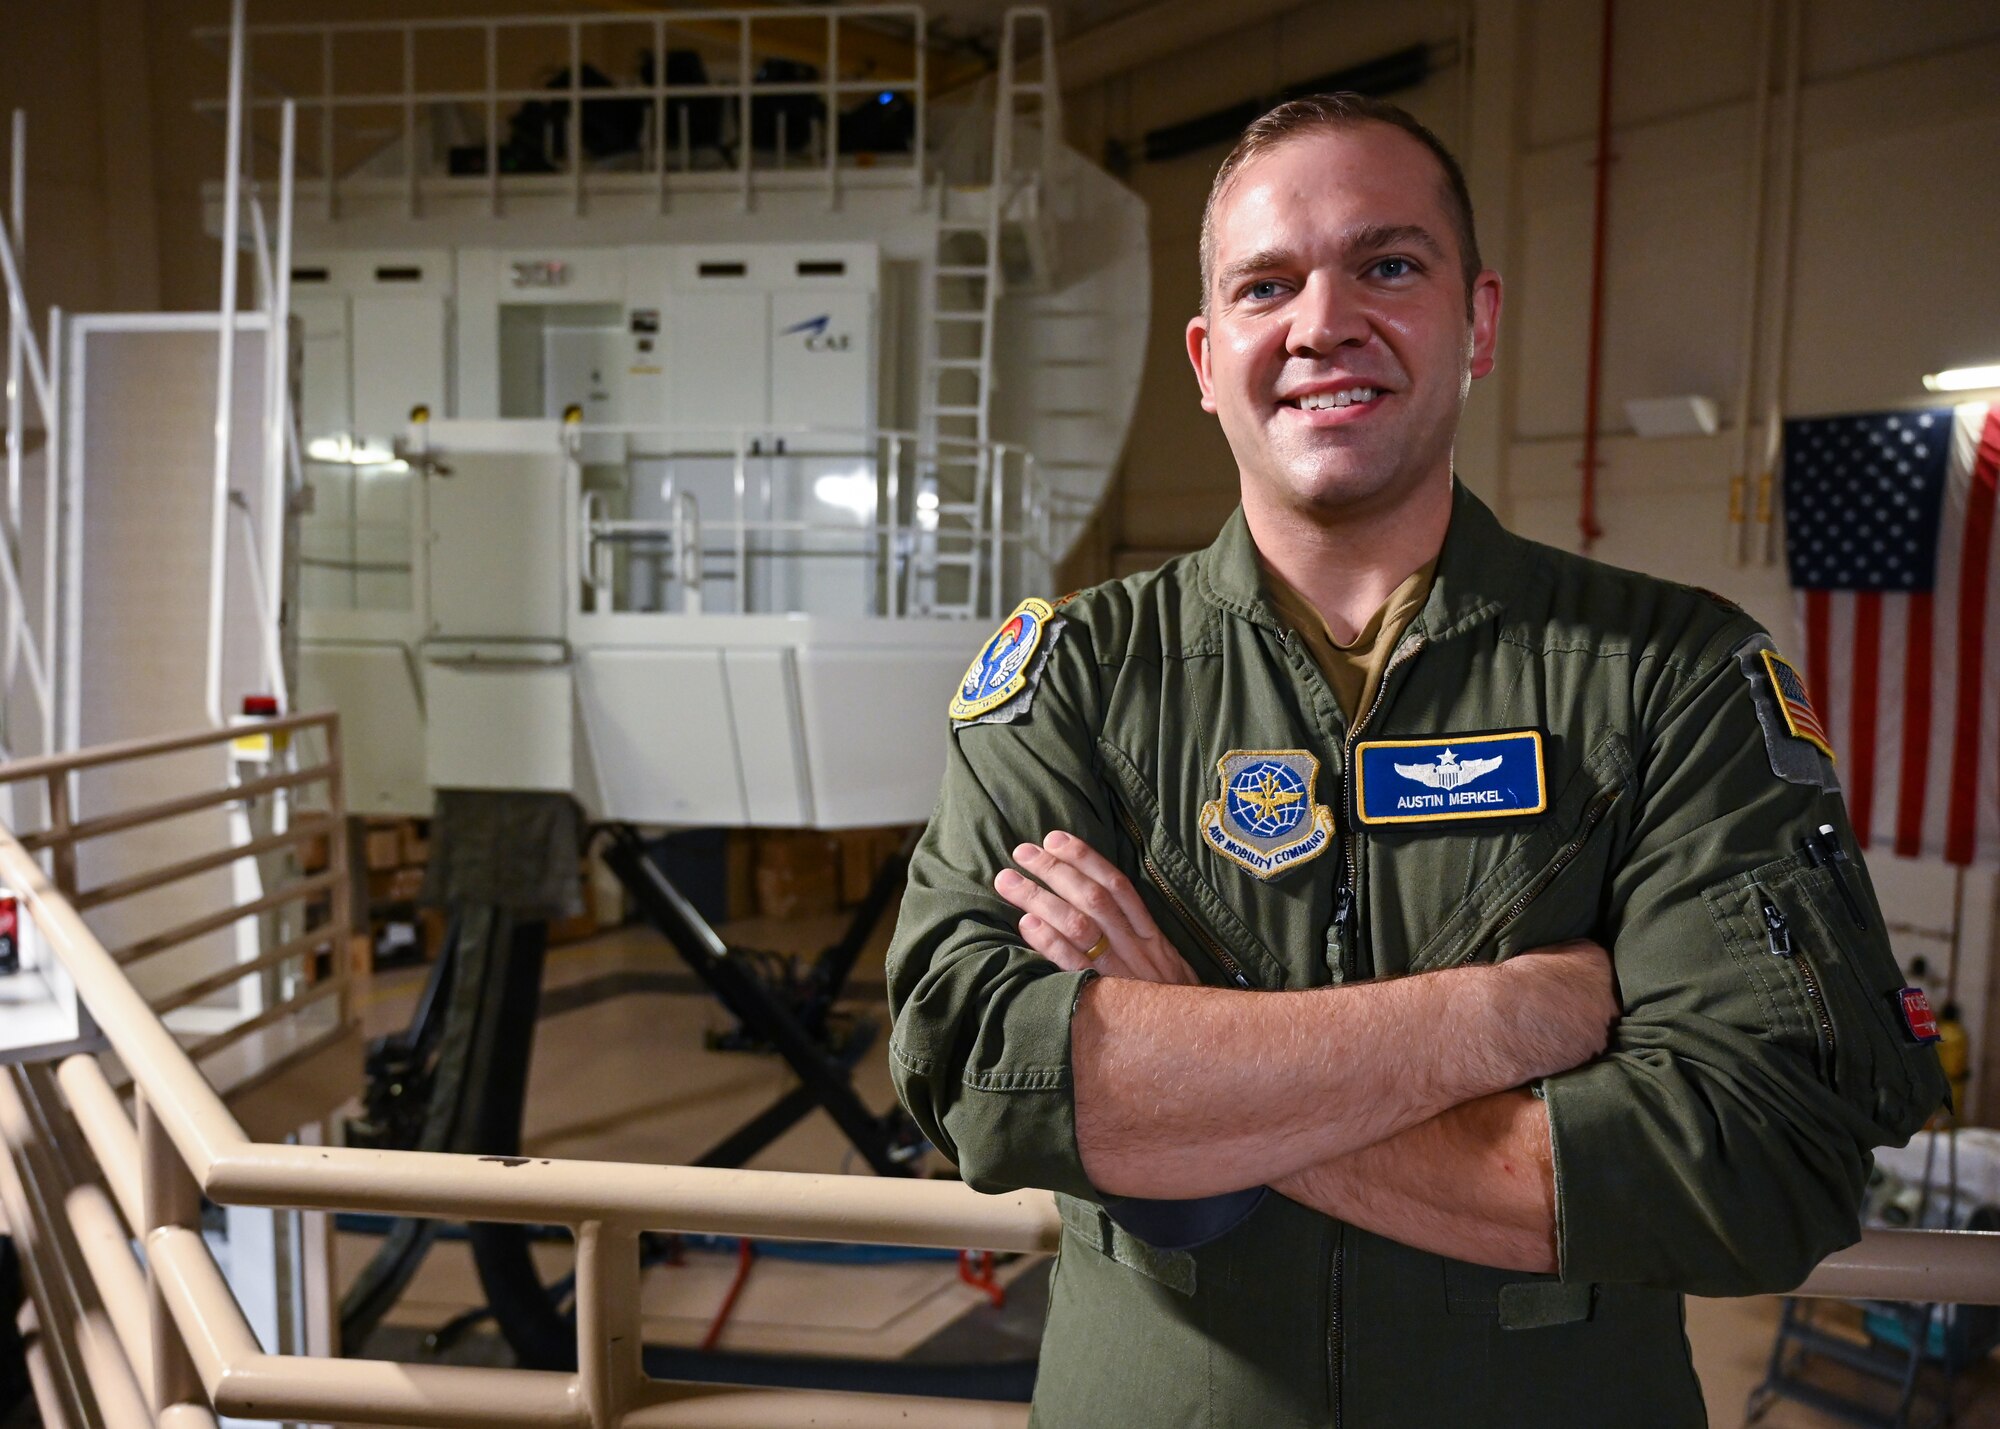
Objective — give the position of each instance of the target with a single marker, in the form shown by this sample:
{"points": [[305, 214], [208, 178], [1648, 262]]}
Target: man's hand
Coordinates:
{"points": [[1082, 898], [1556, 1004]]}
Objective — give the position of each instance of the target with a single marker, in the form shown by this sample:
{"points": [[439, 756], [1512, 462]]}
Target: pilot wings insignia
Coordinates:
{"points": [[1450, 772]]}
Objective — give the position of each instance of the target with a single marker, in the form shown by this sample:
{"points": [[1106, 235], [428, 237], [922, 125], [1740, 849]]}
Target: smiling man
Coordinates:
{"points": [[1222, 929]]}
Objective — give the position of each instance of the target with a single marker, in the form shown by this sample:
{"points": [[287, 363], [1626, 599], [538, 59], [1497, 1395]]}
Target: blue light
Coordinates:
{"points": [[885, 97]]}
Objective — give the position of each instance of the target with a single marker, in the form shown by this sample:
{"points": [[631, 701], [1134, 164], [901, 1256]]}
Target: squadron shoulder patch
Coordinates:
{"points": [[1006, 665], [1500, 774], [1266, 820]]}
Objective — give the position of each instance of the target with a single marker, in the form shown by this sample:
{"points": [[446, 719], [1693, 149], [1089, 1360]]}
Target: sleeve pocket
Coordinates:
{"points": [[1828, 986]]}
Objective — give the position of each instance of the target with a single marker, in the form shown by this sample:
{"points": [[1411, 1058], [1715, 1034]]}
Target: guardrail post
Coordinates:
{"points": [[169, 1198], [62, 852], [607, 1320]]}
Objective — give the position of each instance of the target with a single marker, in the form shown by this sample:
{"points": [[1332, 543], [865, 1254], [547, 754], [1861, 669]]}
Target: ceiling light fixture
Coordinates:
{"points": [[1963, 379]]}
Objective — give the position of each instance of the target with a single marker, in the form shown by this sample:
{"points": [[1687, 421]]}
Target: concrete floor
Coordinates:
{"points": [[620, 1072]]}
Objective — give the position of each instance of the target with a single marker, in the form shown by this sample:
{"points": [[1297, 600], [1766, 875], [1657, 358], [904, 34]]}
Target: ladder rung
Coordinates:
{"points": [[944, 410], [958, 364], [961, 225], [948, 316], [948, 559], [961, 270], [958, 508]]}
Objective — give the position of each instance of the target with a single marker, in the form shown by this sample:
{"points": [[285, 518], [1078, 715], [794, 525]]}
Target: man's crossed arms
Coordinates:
{"points": [[1396, 1106]]}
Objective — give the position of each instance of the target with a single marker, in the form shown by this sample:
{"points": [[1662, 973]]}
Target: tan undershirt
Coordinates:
{"points": [[1353, 670]]}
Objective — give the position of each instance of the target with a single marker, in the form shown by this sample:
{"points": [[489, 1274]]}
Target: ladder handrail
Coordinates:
{"points": [[24, 349]]}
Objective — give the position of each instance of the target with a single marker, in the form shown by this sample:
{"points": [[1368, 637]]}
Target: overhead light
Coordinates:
{"points": [[1964, 379], [342, 451], [851, 491], [1691, 415]]}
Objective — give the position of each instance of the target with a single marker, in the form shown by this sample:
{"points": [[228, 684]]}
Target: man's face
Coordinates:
{"points": [[1337, 350]]}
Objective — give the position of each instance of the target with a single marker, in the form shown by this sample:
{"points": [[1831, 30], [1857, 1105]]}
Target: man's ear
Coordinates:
{"points": [[1485, 321], [1197, 351]]}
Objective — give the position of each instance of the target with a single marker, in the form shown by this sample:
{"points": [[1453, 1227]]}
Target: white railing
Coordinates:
{"points": [[25, 645], [742, 510], [894, 499], [860, 52]]}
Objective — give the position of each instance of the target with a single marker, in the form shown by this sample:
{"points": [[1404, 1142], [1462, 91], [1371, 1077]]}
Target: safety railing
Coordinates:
{"points": [[258, 966], [738, 507], [29, 639], [663, 101], [143, 1321]]}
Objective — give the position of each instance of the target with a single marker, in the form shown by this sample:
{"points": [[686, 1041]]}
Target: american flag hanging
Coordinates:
{"points": [[1889, 527]]}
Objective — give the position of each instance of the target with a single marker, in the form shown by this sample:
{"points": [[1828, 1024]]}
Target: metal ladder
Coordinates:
{"points": [[966, 283]]}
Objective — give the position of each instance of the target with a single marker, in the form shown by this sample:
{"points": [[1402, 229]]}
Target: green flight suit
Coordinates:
{"points": [[1719, 1147]]}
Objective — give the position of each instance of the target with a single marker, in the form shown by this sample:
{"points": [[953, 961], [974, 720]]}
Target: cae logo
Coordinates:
{"points": [[818, 339]]}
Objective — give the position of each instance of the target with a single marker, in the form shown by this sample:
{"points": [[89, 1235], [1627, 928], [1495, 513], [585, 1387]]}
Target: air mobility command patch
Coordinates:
{"points": [[1447, 779], [1008, 666], [1266, 820], [1794, 739]]}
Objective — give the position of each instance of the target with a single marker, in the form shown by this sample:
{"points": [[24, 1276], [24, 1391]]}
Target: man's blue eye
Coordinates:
{"points": [[1394, 267], [1262, 288]]}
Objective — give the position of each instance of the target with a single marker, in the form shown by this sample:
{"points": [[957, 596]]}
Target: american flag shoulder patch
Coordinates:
{"points": [[1794, 702]]}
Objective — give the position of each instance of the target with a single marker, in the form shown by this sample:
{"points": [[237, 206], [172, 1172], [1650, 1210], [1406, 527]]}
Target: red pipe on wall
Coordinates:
{"points": [[1587, 517]]}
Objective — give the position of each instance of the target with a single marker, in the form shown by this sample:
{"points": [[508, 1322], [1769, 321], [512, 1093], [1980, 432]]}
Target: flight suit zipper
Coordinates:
{"points": [[1565, 856], [1210, 943], [1345, 897], [1778, 938]]}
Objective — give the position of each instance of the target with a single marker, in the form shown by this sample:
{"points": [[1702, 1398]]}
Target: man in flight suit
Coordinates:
{"points": [[1220, 930]]}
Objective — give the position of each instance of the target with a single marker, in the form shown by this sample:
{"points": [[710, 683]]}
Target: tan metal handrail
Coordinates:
{"points": [[171, 1346], [184, 1340], [56, 774]]}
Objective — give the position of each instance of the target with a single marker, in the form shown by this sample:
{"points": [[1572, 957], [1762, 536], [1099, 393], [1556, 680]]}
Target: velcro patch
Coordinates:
{"points": [[1918, 1019], [1795, 755], [1266, 820], [1006, 664], [1450, 778], [1794, 703]]}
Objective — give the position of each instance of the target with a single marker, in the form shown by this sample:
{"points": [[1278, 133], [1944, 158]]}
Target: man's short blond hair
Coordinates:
{"points": [[1324, 113]]}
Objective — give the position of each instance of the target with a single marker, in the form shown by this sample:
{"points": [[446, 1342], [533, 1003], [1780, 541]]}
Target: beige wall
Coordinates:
{"points": [[1894, 270]]}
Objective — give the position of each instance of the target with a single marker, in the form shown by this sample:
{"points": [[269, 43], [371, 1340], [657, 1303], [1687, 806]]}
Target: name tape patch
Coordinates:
{"points": [[1448, 778], [1000, 671], [1266, 820]]}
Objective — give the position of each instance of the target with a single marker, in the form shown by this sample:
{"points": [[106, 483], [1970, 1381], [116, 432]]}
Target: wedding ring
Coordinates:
{"points": [[1096, 950]]}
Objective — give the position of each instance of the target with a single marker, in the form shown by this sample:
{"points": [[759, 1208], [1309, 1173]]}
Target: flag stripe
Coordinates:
{"points": [[1861, 738], [1961, 824], [1916, 726], [1819, 630]]}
